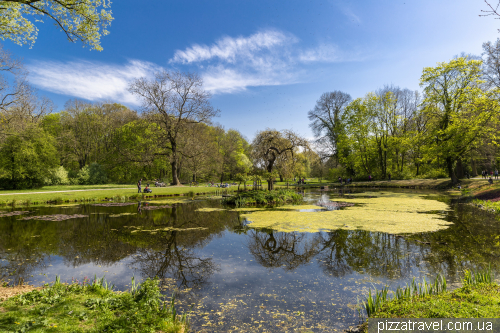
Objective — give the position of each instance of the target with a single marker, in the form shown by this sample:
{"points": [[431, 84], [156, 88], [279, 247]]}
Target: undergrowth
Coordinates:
{"points": [[92, 306], [418, 291], [280, 196]]}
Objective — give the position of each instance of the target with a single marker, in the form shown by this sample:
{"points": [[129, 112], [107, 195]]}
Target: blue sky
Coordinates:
{"points": [[265, 62]]}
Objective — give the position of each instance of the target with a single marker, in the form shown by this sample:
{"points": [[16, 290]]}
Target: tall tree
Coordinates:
{"points": [[175, 100], [460, 112], [326, 119], [83, 20]]}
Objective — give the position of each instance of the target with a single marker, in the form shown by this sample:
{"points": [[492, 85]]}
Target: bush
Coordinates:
{"points": [[434, 173], [57, 176], [92, 174], [335, 173], [27, 158]]}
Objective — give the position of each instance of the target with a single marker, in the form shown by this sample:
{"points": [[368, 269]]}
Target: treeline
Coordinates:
{"points": [[450, 129], [170, 138]]}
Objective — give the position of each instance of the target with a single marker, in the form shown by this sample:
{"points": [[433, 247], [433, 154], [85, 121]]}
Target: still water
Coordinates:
{"points": [[231, 277]]}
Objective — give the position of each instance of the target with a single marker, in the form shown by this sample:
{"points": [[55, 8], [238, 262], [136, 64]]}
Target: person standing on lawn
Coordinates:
{"points": [[496, 173], [139, 183]]}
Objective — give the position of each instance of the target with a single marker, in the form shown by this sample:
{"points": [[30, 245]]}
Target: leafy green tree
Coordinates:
{"points": [[27, 158], [271, 145], [83, 20], [461, 112]]}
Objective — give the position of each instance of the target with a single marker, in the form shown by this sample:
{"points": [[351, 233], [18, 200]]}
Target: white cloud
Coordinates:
{"points": [[323, 53], [89, 80], [268, 57], [229, 48]]}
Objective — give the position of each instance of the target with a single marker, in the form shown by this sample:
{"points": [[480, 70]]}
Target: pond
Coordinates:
{"points": [[249, 270]]}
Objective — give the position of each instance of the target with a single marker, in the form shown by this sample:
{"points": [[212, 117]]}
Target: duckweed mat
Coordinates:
{"points": [[395, 213], [210, 209]]}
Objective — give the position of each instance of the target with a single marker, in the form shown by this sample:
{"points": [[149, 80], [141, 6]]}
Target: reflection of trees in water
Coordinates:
{"points": [[377, 254], [276, 249], [101, 240], [472, 242], [176, 262]]}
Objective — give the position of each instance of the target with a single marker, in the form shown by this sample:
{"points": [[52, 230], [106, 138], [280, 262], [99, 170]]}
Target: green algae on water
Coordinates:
{"points": [[395, 213], [209, 209]]}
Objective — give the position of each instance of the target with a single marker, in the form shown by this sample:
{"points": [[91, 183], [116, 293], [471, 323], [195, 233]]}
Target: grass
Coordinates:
{"points": [[479, 297], [91, 307], [95, 194]]}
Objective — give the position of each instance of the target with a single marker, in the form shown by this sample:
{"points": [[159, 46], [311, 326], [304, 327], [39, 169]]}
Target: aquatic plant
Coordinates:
{"points": [[474, 278], [395, 213], [374, 302]]}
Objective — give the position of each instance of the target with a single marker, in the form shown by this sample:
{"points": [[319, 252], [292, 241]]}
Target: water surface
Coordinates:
{"points": [[236, 278]]}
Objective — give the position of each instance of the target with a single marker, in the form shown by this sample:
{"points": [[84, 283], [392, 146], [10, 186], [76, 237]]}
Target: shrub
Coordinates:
{"points": [[92, 174], [57, 176], [434, 173]]}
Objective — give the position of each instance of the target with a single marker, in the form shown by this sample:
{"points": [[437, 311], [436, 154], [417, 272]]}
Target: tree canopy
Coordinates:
{"points": [[80, 20]]}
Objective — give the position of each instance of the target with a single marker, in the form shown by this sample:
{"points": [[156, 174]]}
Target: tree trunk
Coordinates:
{"points": [[474, 168], [281, 178], [175, 179], [451, 173], [459, 170], [270, 185]]}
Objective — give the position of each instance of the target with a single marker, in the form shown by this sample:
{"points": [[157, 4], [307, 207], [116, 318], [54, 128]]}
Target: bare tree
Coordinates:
{"points": [[10, 93], [175, 99], [269, 145], [493, 11], [491, 64], [326, 119]]}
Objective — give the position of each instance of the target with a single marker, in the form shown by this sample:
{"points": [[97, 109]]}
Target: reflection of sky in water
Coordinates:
{"points": [[237, 278]]}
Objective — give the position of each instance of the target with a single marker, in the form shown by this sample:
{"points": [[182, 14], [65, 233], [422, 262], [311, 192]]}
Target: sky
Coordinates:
{"points": [[265, 62]]}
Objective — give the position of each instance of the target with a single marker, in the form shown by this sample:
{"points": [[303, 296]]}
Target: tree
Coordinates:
{"points": [[269, 145], [174, 100], [27, 158], [83, 20], [326, 119], [460, 112], [491, 65]]}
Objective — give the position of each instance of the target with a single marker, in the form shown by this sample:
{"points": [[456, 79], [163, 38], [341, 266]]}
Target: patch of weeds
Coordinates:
{"points": [[75, 307]]}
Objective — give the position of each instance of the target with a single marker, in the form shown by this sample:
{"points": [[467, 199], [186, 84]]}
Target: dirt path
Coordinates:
{"points": [[97, 189]]}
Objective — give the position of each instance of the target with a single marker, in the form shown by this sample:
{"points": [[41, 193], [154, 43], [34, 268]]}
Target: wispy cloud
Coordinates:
{"points": [[230, 49], [90, 80], [229, 65], [268, 57]]}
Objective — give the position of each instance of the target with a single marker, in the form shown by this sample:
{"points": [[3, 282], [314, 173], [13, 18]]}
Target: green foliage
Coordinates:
{"points": [[68, 307], [92, 174], [374, 302], [58, 176], [434, 173], [85, 20], [280, 196], [27, 159]]}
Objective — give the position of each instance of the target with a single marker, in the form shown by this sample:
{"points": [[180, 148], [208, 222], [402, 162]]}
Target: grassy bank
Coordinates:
{"points": [[479, 297], [94, 194], [91, 307]]}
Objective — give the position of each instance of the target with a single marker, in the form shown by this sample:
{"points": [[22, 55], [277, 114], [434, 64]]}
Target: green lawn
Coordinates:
{"points": [[98, 192]]}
